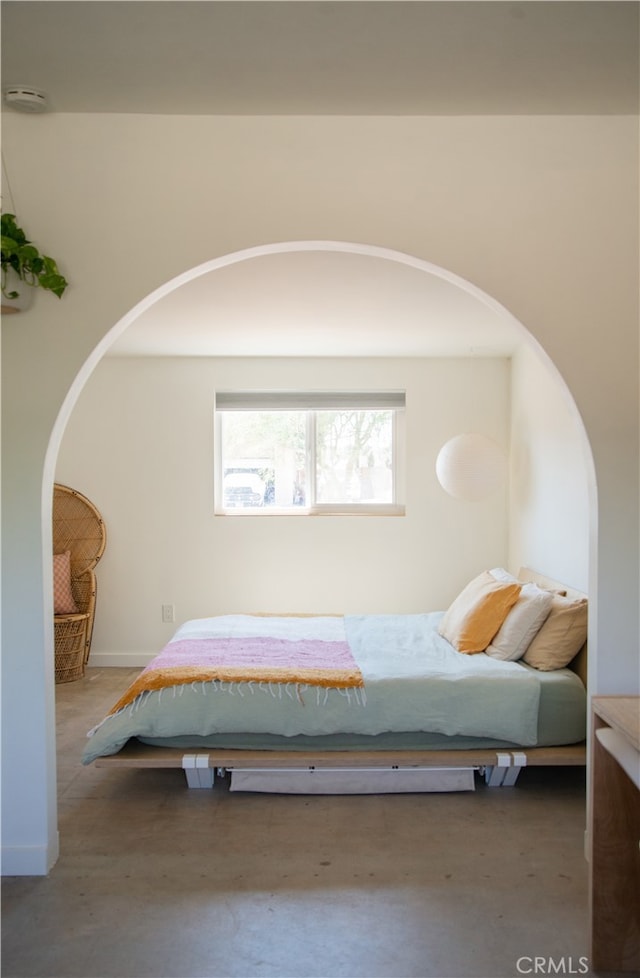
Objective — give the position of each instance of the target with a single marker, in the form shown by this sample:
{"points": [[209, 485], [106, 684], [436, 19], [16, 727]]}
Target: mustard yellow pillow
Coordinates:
{"points": [[562, 635], [478, 612]]}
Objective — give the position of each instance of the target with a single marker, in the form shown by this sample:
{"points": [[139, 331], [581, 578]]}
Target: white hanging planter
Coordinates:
{"points": [[11, 282]]}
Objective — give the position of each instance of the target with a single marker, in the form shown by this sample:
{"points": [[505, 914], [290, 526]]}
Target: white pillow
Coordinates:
{"points": [[501, 574], [521, 624]]}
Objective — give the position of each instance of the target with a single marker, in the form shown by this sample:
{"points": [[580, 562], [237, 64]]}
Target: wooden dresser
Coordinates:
{"points": [[614, 884]]}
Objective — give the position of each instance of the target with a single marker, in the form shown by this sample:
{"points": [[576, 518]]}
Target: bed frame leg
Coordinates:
{"points": [[197, 770], [494, 774], [519, 760], [504, 773]]}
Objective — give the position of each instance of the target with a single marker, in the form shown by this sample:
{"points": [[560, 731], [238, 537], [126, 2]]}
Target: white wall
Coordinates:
{"points": [[140, 445], [538, 212], [551, 474]]}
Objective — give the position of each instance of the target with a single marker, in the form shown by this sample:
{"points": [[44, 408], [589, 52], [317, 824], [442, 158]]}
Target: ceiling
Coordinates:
{"points": [[334, 58], [319, 303], [323, 58]]}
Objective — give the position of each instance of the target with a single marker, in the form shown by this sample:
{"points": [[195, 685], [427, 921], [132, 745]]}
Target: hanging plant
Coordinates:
{"points": [[21, 262]]}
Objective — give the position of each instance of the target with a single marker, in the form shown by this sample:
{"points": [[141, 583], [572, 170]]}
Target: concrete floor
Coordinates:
{"points": [[158, 881]]}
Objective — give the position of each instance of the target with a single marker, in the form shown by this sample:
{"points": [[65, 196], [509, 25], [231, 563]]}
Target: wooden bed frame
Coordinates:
{"points": [[500, 767]]}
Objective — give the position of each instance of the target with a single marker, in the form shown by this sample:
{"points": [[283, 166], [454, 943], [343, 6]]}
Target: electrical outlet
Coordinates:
{"points": [[168, 613]]}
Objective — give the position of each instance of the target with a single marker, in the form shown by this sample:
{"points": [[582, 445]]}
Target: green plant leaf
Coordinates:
{"points": [[28, 253], [50, 265], [20, 254], [9, 245], [11, 229], [54, 283]]}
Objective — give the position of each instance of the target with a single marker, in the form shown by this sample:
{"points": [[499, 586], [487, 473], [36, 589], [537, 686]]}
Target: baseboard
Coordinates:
{"points": [[29, 860], [125, 660]]}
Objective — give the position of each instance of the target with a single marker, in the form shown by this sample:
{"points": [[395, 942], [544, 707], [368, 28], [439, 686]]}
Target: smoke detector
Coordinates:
{"points": [[25, 98]]}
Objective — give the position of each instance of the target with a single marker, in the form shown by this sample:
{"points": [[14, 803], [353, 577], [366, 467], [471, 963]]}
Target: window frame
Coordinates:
{"points": [[313, 402]]}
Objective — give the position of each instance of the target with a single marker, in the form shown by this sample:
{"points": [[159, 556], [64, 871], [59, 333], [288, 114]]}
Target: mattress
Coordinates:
{"points": [[417, 692], [562, 718]]}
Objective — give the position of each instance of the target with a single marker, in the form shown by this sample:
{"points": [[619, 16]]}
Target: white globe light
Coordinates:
{"points": [[471, 466]]}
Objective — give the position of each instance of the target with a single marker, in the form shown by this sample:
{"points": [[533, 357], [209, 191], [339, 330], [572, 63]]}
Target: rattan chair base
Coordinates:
{"points": [[70, 646]]}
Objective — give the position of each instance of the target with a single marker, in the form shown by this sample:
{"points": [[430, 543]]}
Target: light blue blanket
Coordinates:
{"points": [[414, 681]]}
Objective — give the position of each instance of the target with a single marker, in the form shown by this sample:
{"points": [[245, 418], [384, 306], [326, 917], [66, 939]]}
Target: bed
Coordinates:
{"points": [[365, 703]]}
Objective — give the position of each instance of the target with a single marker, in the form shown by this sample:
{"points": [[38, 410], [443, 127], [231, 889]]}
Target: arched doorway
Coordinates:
{"points": [[373, 253]]}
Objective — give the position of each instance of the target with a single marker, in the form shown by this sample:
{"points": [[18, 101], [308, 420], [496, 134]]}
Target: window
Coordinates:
{"points": [[302, 453]]}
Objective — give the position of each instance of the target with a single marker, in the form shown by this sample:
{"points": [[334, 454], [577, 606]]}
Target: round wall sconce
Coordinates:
{"points": [[471, 466]]}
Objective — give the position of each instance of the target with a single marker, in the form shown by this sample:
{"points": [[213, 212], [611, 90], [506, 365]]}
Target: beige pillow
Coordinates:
{"points": [[561, 636], [477, 613]]}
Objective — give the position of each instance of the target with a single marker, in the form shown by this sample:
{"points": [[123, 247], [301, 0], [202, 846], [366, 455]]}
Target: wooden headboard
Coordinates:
{"points": [[579, 663]]}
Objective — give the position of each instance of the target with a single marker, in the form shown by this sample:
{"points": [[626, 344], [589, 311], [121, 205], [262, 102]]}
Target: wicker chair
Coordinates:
{"points": [[77, 528]]}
